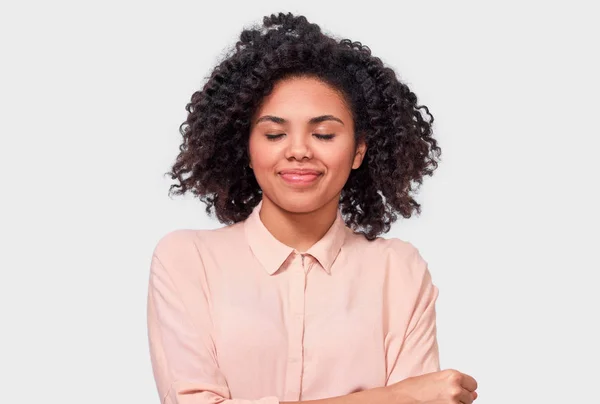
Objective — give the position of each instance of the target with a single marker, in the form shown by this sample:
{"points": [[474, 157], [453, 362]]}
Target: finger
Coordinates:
{"points": [[465, 397], [468, 382], [474, 393]]}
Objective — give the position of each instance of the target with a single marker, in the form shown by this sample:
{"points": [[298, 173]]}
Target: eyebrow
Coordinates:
{"points": [[316, 119]]}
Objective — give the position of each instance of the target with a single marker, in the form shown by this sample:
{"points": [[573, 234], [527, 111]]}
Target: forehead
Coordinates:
{"points": [[303, 97]]}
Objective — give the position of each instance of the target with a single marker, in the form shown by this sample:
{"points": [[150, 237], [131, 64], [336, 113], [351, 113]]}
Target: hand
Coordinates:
{"points": [[445, 387]]}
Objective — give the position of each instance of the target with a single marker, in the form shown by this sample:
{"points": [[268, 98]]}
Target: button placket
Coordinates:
{"points": [[295, 350]]}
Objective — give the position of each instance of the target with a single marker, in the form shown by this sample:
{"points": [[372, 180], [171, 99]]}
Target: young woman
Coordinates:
{"points": [[307, 148]]}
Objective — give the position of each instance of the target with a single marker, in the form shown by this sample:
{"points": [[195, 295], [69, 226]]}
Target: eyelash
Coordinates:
{"points": [[328, 136]]}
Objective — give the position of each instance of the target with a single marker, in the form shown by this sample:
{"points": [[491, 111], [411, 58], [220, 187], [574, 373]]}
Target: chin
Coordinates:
{"points": [[299, 203]]}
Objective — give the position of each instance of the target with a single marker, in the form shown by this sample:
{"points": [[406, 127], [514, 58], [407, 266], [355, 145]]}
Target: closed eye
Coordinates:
{"points": [[327, 136]]}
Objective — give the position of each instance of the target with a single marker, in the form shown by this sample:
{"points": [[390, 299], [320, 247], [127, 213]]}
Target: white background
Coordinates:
{"points": [[92, 95]]}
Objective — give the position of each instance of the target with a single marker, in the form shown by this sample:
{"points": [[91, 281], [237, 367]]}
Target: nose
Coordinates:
{"points": [[298, 148]]}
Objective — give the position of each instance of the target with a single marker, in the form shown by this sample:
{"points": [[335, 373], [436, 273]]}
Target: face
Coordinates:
{"points": [[302, 145]]}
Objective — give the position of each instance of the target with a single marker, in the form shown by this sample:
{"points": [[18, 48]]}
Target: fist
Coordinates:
{"points": [[445, 387]]}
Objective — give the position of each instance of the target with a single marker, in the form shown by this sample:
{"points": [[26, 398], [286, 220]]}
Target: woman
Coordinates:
{"points": [[307, 148]]}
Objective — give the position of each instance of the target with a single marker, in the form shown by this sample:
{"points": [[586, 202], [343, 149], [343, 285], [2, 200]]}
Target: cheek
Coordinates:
{"points": [[338, 160], [262, 157], [263, 161], [254, 151]]}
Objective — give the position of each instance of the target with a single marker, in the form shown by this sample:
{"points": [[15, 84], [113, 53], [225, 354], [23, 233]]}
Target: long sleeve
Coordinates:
{"points": [[182, 350], [419, 353]]}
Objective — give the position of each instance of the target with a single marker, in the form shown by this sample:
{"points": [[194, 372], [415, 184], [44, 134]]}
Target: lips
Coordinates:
{"points": [[300, 172], [300, 177]]}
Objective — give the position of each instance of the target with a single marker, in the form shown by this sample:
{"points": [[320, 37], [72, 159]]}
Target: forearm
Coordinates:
{"points": [[378, 395]]}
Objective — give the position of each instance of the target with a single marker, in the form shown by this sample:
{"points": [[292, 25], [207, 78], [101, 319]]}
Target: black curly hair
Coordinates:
{"points": [[213, 158]]}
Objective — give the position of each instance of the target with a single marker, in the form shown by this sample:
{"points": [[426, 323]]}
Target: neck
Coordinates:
{"points": [[298, 230]]}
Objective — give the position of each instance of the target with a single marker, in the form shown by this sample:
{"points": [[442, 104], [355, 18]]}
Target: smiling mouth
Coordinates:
{"points": [[300, 178]]}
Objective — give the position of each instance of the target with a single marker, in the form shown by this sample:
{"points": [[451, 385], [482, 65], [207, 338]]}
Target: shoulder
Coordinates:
{"points": [[385, 247], [181, 248], [398, 256], [406, 271], [178, 240], [174, 242]]}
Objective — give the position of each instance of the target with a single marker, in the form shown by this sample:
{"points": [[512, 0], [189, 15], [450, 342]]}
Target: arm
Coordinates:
{"points": [[182, 350], [378, 395], [419, 352], [181, 347]]}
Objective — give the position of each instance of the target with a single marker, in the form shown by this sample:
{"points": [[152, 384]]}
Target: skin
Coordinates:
{"points": [[299, 216]]}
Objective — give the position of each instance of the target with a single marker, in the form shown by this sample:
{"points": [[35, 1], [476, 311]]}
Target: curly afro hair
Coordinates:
{"points": [[213, 157]]}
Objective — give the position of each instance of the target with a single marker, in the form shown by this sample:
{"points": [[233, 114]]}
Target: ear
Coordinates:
{"points": [[359, 155]]}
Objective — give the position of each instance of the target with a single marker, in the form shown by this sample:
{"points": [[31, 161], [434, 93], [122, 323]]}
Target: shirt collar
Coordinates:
{"points": [[272, 253]]}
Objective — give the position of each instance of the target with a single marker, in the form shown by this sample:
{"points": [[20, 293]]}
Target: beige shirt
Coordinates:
{"points": [[236, 316]]}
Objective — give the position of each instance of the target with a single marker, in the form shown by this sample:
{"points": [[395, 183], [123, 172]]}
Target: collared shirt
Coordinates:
{"points": [[236, 316]]}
